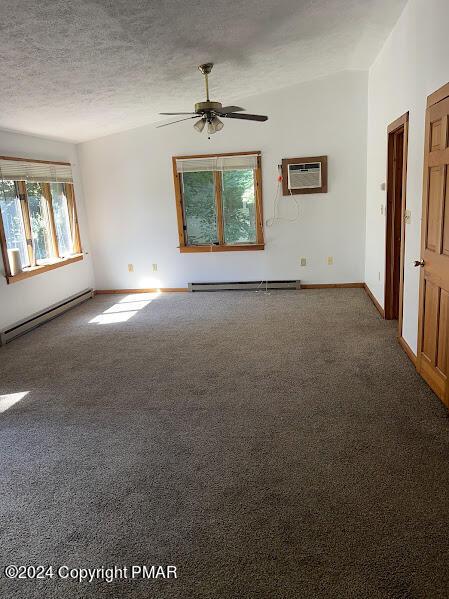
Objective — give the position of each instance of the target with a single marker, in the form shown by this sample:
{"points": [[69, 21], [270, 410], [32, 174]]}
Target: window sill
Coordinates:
{"points": [[31, 271], [243, 247]]}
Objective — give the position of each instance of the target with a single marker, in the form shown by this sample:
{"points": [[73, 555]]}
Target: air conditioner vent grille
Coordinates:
{"points": [[304, 176]]}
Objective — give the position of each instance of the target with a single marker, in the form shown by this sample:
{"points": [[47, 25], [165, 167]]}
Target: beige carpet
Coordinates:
{"points": [[269, 446]]}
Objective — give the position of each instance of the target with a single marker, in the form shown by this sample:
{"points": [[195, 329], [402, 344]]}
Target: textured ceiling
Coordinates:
{"points": [[84, 69]]}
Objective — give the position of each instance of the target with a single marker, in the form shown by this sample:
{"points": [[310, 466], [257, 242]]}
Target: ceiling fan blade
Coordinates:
{"points": [[226, 109], [176, 113], [245, 117], [178, 121]]}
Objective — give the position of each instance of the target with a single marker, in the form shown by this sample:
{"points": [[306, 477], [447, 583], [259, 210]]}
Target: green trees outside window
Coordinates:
{"points": [[40, 227], [239, 206], [234, 203], [199, 208]]}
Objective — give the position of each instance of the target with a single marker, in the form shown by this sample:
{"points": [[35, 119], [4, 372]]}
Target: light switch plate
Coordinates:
{"points": [[330, 260], [407, 217], [303, 262], [154, 267], [130, 267]]}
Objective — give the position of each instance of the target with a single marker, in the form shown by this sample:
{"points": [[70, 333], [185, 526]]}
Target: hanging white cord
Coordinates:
{"points": [[276, 218], [259, 219]]}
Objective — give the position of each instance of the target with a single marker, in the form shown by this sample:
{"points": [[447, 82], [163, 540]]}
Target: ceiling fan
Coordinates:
{"points": [[209, 111]]}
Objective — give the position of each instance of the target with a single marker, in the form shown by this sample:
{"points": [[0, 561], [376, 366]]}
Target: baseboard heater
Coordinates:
{"points": [[245, 285], [27, 324]]}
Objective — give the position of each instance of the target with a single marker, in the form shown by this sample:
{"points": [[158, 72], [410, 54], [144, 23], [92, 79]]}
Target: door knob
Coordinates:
{"points": [[418, 263]]}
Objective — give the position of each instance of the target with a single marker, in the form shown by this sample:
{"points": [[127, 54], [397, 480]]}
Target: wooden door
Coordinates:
{"points": [[395, 230], [397, 220], [432, 359]]}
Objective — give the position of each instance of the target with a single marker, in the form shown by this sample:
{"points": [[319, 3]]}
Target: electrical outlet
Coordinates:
{"points": [[303, 262], [382, 209], [330, 260], [407, 217], [154, 267], [130, 267]]}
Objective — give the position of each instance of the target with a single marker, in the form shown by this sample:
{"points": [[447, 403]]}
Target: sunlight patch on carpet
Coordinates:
{"points": [[6, 401], [125, 309]]}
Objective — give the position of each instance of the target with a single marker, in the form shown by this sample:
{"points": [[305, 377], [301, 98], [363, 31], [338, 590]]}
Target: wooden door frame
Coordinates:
{"points": [[400, 123]]}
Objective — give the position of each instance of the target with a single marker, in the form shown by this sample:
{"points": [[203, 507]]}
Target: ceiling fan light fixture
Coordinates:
{"points": [[199, 125], [218, 124], [214, 125]]}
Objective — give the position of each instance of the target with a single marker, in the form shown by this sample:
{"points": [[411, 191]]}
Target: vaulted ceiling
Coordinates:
{"points": [[84, 69]]}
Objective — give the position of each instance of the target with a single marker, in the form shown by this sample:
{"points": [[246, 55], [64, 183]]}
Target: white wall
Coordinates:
{"points": [[412, 64], [23, 298], [130, 201]]}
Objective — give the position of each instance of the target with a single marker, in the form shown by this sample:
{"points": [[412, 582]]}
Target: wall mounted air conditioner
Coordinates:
{"points": [[307, 174], [304, 176]]}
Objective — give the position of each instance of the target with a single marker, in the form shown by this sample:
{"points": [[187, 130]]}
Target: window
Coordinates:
{"points": [[38, 216], [12, 219], [198, 190], [219, 202], [40, 223], [62, 219]]}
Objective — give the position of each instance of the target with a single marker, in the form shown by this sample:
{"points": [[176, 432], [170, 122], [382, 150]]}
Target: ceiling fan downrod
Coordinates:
{"points": [[205, 69]]}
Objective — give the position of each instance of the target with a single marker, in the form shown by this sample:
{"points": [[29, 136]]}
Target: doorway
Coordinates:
{"points": [[397, 133]]}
